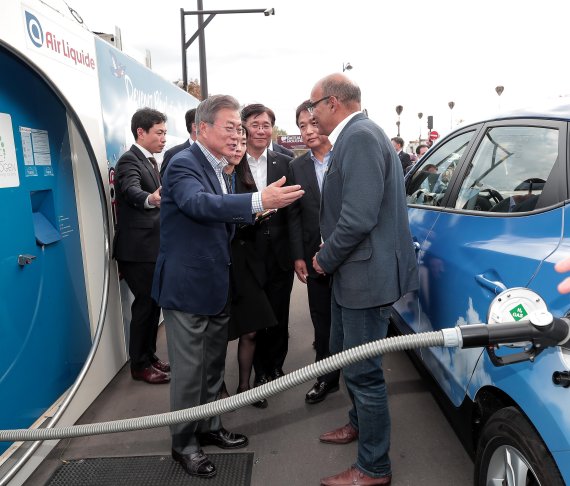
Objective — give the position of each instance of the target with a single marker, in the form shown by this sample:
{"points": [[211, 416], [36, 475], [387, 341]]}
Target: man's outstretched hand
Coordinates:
{"points": [[276, 195]]}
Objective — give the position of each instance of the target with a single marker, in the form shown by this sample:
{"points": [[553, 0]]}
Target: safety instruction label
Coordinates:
{"points": [[8, 163], [35, 149]]}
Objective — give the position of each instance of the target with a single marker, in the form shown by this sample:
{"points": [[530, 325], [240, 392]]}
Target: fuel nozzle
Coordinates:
{"points": [[561, 378], [517, 318]]}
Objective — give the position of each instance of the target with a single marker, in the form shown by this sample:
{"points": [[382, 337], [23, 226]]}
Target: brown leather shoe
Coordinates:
{"points": [[160, 365], [151, 375], [355, 477], [344, 435]]}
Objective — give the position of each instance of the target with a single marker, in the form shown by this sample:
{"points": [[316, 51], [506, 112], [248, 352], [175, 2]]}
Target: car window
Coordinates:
{"points": [[509, 169], [429, 183]]}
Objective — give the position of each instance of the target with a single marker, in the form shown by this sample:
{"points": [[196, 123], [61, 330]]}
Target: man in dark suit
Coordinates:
{"points": [[309, 170], [280, 149], [367, 248], [189, 117], [191, 280], [137, 184], [405, 159], [266, 167]]}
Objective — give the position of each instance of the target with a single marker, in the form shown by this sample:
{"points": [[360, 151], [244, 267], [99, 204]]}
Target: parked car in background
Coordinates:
{"points": [[488, 211]]}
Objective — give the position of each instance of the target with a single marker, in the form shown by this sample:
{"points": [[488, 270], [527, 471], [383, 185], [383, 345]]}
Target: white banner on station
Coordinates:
{"points": [[8, 163]]}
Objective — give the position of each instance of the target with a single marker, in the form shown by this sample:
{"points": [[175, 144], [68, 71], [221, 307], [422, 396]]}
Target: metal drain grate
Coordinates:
{"points": [[233, 470]]}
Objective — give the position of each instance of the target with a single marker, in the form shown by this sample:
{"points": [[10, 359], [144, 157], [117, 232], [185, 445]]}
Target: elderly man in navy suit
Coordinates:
{"points": [[191, 280], [367, 248]]}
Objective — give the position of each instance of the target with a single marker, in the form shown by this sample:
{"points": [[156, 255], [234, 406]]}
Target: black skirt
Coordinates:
{"points": [[250, 307]]}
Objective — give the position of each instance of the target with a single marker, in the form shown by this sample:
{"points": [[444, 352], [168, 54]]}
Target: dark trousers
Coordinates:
{"points": [[272, 343], [197, 352], [145, 313], [319, 294]]}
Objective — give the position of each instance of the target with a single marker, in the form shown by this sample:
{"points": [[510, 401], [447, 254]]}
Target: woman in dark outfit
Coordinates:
{"points": [[250, 310]]}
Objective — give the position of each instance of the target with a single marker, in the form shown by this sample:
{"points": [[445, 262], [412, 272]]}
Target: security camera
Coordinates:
{"points": [[269, 11]]}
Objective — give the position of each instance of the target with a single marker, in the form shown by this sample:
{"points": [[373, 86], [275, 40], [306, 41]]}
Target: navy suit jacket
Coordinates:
{"points": [[193, 265], [367, 247], [171, 152]]}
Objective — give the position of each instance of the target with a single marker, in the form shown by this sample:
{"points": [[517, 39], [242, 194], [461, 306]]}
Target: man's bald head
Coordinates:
{"points": [[334, 98], [341, 87]]}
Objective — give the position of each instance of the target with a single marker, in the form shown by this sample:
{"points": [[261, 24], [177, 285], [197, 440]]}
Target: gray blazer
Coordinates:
{"points": [[364, 222]]}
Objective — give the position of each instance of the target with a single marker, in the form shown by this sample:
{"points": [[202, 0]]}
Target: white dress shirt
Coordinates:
{"points": [[147, 154], [259, 169]]}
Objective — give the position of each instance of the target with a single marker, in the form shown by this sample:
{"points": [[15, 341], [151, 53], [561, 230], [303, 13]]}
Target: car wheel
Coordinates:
{"points": [[510, 452]]}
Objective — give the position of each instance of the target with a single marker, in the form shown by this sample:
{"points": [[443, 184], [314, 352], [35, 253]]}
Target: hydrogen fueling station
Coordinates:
{"points": [[66, 98]]}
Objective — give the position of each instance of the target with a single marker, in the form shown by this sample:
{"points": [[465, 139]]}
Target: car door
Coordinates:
{"points": [[500, 223], [426, 192]]}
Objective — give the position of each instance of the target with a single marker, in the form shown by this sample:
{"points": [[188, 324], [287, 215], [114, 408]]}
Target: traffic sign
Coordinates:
{"points": [[433, 135]]}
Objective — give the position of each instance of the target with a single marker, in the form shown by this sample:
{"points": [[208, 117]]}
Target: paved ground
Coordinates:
{"points": [[284, 437]]}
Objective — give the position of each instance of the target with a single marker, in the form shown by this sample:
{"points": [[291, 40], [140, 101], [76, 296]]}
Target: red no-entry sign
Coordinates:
{"points": [[433, 135]]}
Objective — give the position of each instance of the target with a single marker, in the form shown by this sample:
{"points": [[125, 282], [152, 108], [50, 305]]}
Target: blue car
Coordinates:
{"points": [[488, 211]]}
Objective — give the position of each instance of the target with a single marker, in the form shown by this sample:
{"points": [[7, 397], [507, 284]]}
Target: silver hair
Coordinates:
{"points": [[209, 108]]}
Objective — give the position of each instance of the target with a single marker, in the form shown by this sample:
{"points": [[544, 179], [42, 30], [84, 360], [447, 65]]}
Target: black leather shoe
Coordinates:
{"points": [[151, 375], [259, 404], [196, 464], [277, 373], [319, 392], [261, 380], [160, 365], [263, 403], [223, 439]]}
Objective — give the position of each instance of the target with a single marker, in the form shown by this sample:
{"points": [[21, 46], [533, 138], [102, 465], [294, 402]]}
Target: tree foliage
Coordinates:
{"points": [[278, 132], [194, 89]]}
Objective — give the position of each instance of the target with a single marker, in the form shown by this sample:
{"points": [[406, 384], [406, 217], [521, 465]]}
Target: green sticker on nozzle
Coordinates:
{"points": [[518, 313]]}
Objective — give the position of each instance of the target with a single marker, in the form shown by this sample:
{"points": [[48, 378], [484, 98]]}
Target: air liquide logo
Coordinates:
{"points": [[57, 42], [34, 29]]}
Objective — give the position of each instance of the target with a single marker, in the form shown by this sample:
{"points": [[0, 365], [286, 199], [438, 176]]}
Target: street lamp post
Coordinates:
{"points": [[420, 115], [346, 67], [399, 109], [451, 104], [202, 40], [499, 90]]}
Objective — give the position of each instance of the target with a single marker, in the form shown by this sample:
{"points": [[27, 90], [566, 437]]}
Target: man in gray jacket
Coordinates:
{"points": [[367, 248]]}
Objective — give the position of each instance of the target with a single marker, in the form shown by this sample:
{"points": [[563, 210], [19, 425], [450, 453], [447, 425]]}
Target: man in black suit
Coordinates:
{"points": [[191, 127], [266, 167], [309, 170], [280, 149], [137, 237], [405, 159]]}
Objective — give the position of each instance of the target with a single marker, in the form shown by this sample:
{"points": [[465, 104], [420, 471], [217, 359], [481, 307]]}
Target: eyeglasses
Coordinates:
{"points": [[313, 104], [230, 130], [256, 126]]}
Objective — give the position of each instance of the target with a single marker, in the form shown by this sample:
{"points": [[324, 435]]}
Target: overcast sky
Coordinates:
{"points": [[420, 54]]}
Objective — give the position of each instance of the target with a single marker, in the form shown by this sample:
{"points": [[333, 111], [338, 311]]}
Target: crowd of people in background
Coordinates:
{"points": [[216, 237]]}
